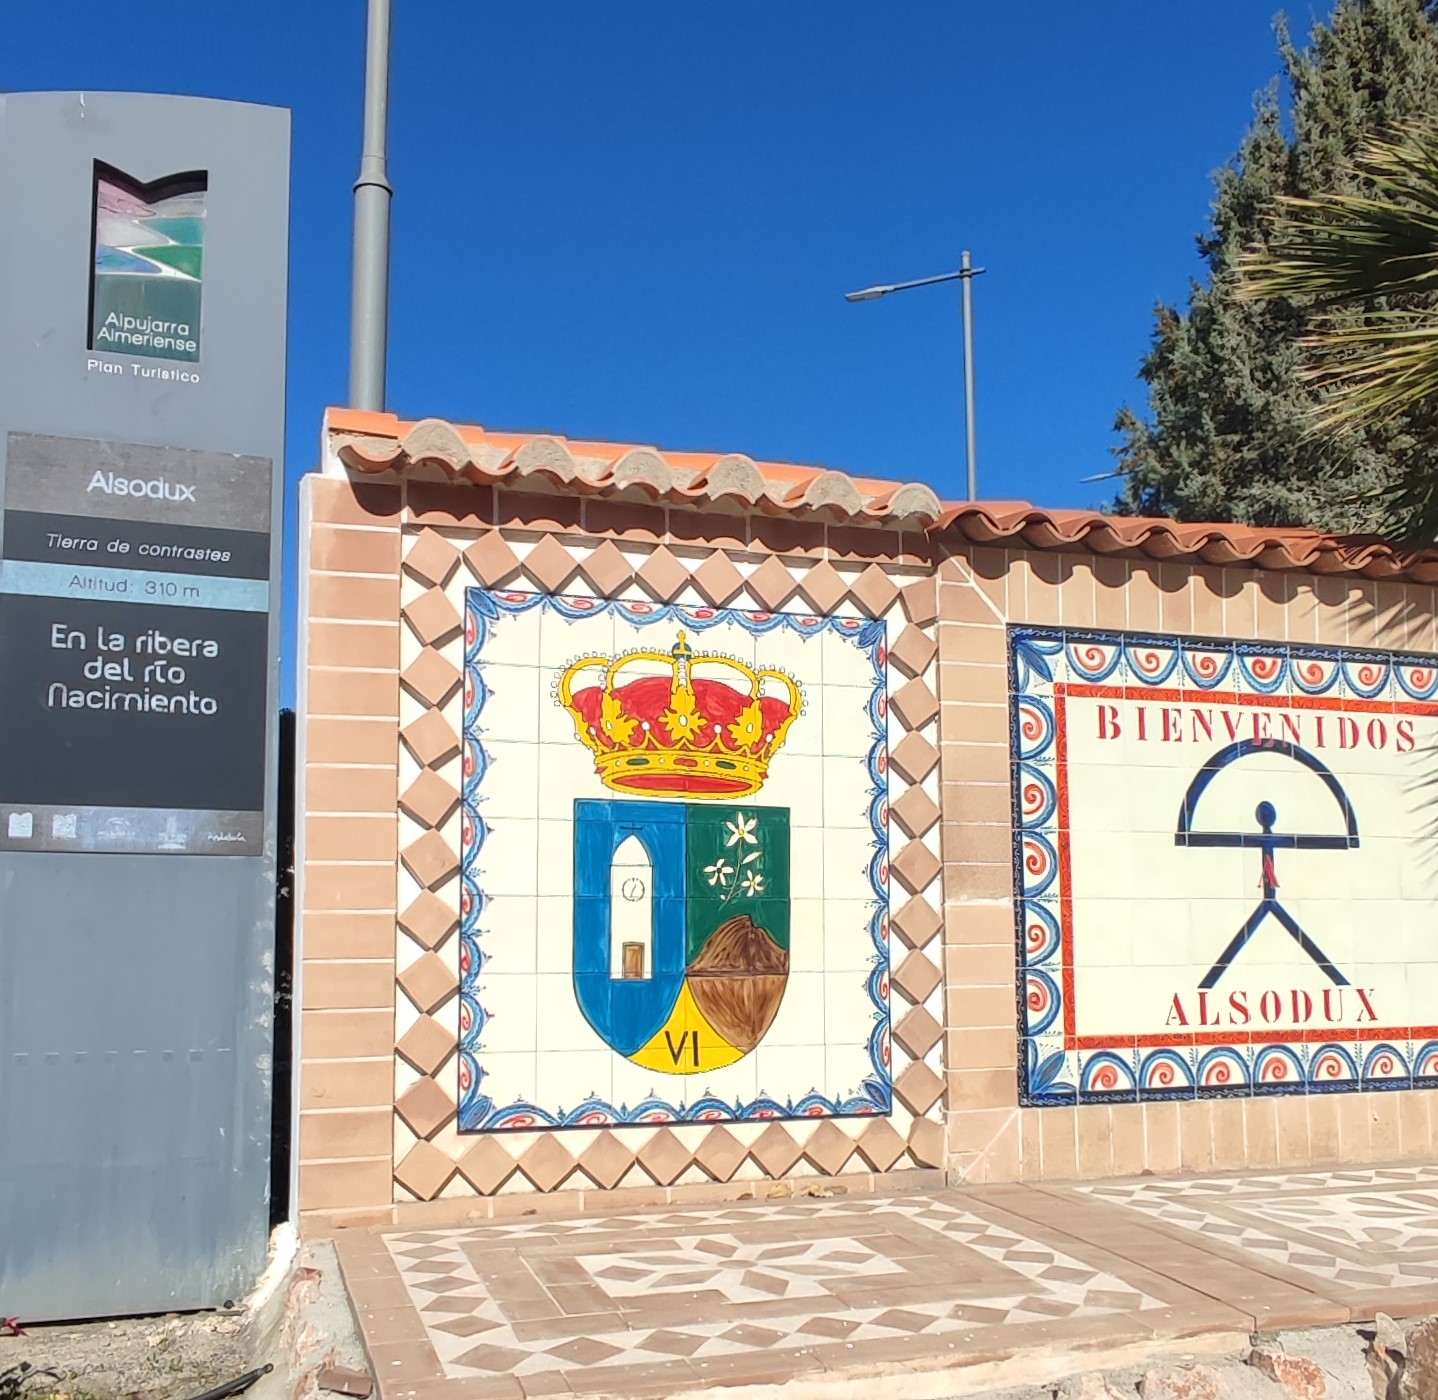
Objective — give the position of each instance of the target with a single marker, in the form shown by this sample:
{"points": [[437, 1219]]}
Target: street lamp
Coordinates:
{"points": [[966, 274]]}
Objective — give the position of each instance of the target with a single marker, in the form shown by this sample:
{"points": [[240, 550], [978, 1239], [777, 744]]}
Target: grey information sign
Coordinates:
{"points": [[134, 624], [143, 278]]}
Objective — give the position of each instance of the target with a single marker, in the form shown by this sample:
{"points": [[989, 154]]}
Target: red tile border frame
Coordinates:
{"points": [[1167, 695], [1160, 695]]}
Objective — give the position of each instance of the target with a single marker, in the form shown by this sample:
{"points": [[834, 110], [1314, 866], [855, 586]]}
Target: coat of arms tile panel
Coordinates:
{"points": [[675, 864]]}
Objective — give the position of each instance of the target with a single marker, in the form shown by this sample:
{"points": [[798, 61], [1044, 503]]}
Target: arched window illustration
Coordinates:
{"points": [[631, 904]]}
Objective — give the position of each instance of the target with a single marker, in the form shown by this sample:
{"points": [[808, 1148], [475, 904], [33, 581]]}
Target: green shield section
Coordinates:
{"points": [[738, 865]]}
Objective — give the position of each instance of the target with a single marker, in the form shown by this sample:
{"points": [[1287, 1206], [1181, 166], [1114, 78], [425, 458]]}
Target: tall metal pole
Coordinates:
{"points": [[966, 276], [369, 308]]}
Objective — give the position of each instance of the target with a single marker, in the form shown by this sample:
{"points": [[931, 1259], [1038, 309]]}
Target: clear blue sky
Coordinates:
{"points": [[636, 220]]}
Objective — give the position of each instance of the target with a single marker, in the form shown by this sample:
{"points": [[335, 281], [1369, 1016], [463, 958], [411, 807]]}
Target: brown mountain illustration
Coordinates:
{"points": [[740, 945], [738, 981]]}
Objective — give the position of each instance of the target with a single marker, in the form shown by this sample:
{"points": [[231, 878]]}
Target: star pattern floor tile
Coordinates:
{"points": [[679, 1299], [1375, 1228], [607, 1292]]}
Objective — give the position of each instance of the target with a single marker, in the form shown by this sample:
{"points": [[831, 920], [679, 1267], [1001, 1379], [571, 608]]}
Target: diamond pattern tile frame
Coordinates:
{"points": [[432, 1159]]}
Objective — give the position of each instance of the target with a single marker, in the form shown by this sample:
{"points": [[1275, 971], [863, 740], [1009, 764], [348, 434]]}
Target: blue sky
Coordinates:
{"points": [[636, 221]]}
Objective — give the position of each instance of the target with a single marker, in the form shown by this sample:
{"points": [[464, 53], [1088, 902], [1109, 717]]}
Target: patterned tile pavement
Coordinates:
{"points": [[1362, 1230], [672, 1301]]}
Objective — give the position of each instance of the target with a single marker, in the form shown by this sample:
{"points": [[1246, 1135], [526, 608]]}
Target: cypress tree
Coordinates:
{"points": [[1229, 431]]}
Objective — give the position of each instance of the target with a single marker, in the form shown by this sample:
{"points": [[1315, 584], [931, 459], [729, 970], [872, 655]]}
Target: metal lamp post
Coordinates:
{"points": [[966, 274], [369, 314]]}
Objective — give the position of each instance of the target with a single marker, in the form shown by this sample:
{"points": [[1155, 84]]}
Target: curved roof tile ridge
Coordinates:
{"points": [[434, 440], [1156, 537], [641, 466], [372, 443], [381, 442], [542, 456], [734, 475]]}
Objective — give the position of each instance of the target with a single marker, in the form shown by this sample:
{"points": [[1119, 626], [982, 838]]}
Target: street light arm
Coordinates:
{"points": [[885, 289]]}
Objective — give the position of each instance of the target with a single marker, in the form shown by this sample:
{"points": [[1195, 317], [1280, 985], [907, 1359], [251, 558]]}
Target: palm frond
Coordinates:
{"points": [[1362, 265], [1374, 370], [1345, 247]]}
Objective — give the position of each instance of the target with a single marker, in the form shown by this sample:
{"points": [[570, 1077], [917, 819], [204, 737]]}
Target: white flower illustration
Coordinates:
{"points": [[753, 883], [719, 873], [741, 830]]}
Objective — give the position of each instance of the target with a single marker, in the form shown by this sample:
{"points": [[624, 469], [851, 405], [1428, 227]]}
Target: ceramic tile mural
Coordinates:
{"points": [[674, 895], [1225, 866]]}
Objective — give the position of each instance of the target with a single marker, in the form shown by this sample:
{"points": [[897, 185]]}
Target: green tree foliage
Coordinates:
{"points": [[1347, 251], [1230, 431]]}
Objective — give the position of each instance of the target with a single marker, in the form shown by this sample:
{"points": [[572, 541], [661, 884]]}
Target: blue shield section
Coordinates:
{"points": [[628, 1013]]}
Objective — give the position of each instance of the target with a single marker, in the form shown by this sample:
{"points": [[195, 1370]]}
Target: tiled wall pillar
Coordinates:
{"points": [[980, 1046], [348, 673]]}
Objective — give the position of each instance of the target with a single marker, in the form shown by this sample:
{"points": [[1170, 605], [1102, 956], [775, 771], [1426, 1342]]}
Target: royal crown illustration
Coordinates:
{"points": [[656, 725]]}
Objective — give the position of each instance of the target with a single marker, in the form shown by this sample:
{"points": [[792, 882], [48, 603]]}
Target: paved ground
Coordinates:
{"points": [[828, 1291]]}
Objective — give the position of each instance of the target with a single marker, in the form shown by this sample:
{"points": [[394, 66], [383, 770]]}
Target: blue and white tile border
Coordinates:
{"points": [[484, 608], [1054, 1071]]}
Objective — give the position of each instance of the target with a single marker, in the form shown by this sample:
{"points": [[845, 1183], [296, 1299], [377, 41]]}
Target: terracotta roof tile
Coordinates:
{"points": [[371, 443], [378, 442], [1019, 523]]}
